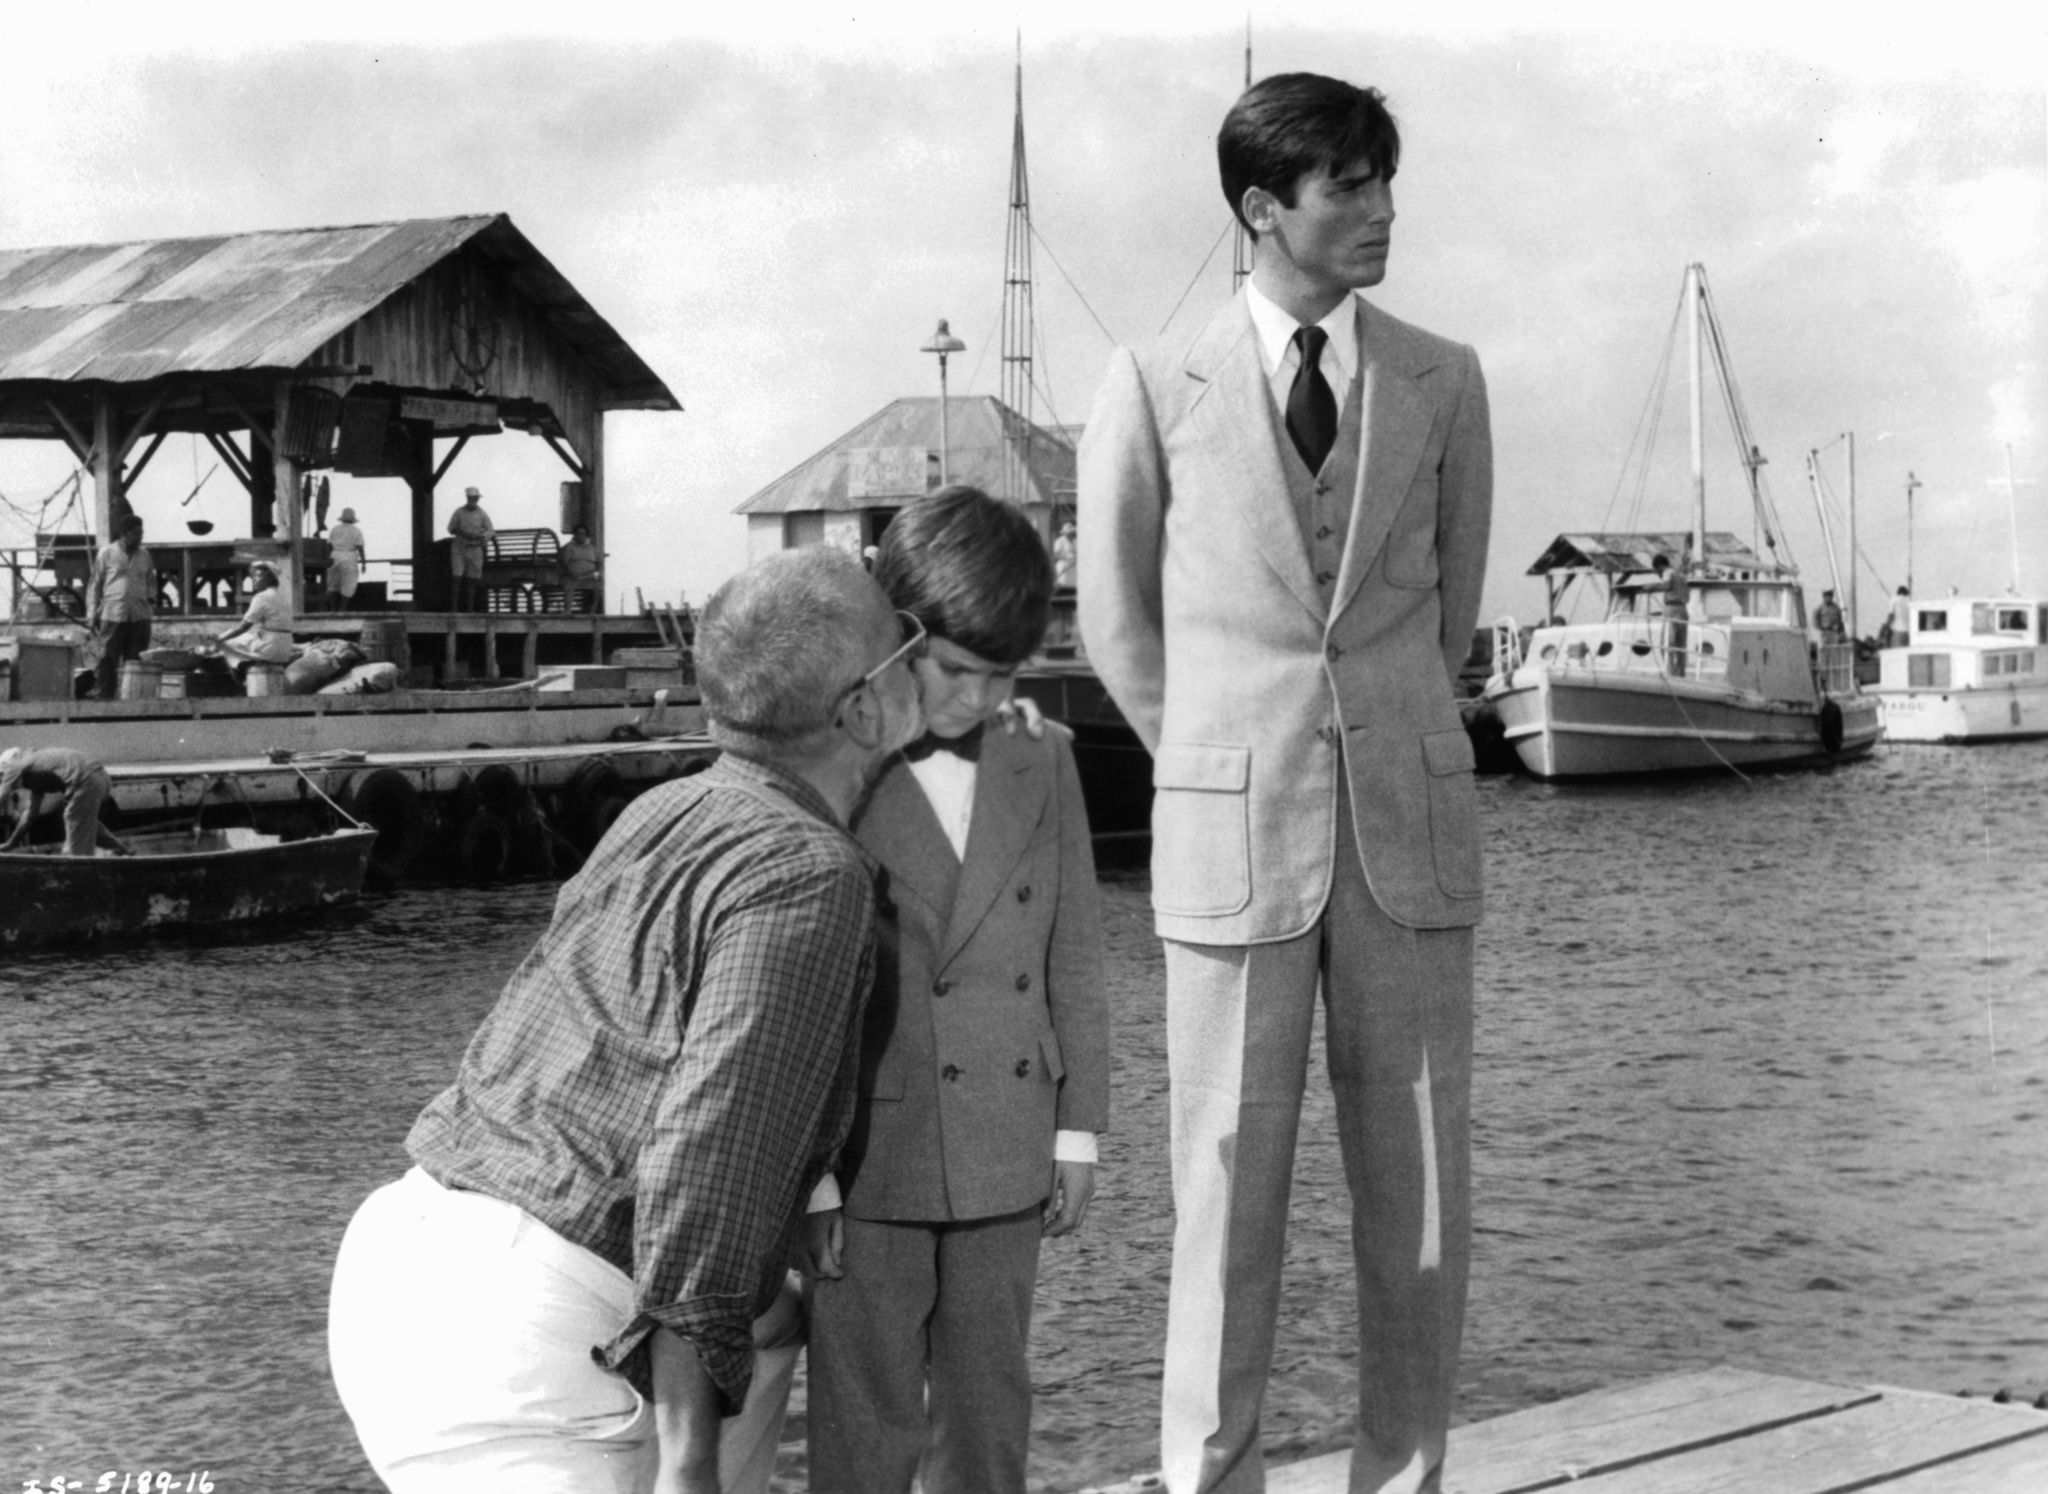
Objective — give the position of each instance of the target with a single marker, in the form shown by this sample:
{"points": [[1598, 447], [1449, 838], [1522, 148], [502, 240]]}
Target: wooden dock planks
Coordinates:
{"points": [[1732, 1431]]}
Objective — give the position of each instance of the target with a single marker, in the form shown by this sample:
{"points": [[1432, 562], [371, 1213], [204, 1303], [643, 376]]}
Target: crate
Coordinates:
{"points": [[44, 670]]}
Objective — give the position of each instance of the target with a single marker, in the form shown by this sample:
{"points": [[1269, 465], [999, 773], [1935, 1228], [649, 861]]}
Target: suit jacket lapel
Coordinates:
{"points": [[1395, 434], [1241, 433], [1010, 791], [901, 830]]}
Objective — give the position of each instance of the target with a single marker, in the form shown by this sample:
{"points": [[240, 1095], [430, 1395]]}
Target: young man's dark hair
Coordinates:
{"points": [[1293, 124], [972, 569]]}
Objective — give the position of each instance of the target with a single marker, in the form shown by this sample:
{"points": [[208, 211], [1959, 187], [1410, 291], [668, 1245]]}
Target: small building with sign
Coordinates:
{"points": [[846, 493]]}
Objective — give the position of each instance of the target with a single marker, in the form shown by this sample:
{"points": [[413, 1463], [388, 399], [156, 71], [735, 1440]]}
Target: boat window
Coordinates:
{"points": [[1606, 648], [1639, 648], [2012, 619], [1707, 647], [1927, 671], [1931, 620], [1549, 652], [2008, 664]]}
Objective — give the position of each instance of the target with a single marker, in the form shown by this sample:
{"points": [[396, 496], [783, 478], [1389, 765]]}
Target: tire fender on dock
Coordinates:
{"points": [[385, 800], [591, 799]]}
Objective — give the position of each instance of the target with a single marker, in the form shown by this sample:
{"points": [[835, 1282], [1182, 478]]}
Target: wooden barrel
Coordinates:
{"points": [[264, 679], [383, 641], [139, 681]]}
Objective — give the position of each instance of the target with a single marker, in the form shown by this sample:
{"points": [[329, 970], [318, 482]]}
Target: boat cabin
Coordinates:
{"points": [[1961, 643]]}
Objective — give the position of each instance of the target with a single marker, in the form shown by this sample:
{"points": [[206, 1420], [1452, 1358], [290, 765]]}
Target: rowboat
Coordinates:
{"points": [[177, 879]]}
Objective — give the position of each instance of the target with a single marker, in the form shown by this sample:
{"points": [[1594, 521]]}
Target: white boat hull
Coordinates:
{"points": [[1565, 724], [1983, 714]]}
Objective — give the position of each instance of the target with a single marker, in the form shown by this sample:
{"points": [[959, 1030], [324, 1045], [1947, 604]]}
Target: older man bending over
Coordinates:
{"points": [[561, 1293]]}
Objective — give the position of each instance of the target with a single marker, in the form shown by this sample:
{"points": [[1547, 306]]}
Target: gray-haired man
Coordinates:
{"points": [[562, 1292]]}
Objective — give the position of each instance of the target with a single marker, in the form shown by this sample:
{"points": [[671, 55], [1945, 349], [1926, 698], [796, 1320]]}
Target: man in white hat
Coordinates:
{"points": [[472, 529], [344, 561]]}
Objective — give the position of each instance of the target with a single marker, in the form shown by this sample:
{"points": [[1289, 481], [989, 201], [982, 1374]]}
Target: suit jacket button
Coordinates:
{"points": [[941, 987], [1023, 894], [1324, 578], [1335, 652], [1023, 1068], [950, 1072], [1023, 982], [1323, 532]]}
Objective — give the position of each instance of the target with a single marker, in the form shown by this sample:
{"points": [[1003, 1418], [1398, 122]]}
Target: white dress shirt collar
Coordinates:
{"points": [[1276, 329]]}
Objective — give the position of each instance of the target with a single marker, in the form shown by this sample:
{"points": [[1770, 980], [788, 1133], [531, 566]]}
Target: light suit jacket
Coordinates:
{"points": [[1199, 609], [989, 1027]]}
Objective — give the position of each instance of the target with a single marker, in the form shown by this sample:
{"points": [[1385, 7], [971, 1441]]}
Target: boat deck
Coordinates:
{"points": [[1723, 1430]]}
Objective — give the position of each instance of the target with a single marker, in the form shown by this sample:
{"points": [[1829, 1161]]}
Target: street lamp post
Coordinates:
{"points": [[943, 342]]}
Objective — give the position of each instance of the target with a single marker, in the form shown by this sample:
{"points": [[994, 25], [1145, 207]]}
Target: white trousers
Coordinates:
{"points": [[460, 1329]]}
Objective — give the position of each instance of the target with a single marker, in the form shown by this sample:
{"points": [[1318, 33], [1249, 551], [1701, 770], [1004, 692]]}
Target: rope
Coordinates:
{"points": [[323, 794]]}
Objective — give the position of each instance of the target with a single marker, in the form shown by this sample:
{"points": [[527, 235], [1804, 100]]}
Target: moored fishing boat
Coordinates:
{"points": [[1971, 669], [1702, 659], [177, 879]]}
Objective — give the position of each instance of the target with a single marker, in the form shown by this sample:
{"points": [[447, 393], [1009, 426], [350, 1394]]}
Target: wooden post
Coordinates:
{"points": [[593, 501], [285, 479], [529, 656], [429, 588], [109, 502]]}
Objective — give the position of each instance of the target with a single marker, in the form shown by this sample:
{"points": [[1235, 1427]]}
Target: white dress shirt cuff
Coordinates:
{"points": [[824, 1196], [1067, 1146]]}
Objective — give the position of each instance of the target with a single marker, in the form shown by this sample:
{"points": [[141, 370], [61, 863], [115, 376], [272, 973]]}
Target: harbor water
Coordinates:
{"points": [[1762, 1079]]}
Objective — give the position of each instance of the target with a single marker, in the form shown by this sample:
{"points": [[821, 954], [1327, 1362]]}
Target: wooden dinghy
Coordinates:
{"points": [[177, 879]]}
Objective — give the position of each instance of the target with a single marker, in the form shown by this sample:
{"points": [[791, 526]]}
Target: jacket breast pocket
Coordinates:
{"points": [[1411, 542], [1453, 811], [1201, 829]]}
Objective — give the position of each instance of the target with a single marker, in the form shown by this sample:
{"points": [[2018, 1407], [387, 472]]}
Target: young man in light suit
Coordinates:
{"points": [[1287, 524], [984, 1072]]}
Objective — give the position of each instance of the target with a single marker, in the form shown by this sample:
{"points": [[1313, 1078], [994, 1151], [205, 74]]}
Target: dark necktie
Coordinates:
{"points": [[1311, 407], [967, 745]]}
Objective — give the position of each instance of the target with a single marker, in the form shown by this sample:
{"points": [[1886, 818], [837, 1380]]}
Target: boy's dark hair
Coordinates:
{"points": [[972, 569], [1290, 125]]}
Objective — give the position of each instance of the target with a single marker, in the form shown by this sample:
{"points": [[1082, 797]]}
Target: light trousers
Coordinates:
{"points": [[460, 1329], [1398, 1015]]}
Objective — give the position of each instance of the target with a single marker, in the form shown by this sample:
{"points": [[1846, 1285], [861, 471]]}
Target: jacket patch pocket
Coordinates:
{"points": [[1453, 811], [1411, 543], [1201, 830]]}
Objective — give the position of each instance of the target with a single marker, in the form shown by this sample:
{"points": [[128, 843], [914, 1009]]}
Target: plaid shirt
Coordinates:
{"points": [[673, 1066]]}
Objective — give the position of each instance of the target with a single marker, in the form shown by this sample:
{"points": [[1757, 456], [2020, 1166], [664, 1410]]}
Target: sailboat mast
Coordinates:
{"points": [[1018, 322], [1850, 437], [1695, 291], [2012, 511]]}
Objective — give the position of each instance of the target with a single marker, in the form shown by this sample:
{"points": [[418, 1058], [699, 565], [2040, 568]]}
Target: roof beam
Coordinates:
{"points": [[568, 457], [256, 431], [447, 461], [80, 447]]}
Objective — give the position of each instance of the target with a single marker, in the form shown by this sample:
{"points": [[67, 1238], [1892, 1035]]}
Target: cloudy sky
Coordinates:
{"points": [[774, 208]]}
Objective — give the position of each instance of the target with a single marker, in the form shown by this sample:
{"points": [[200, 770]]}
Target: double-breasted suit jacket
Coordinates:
{"points": [[989, 1026], [1244, 676]]}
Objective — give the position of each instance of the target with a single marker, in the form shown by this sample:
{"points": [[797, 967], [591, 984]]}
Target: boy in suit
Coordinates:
{"points": [[984, 1071], [1287, 522]]}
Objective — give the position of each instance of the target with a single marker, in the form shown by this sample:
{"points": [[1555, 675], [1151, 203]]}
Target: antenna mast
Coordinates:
{"points": [[1241, 245], [1018, 325]]}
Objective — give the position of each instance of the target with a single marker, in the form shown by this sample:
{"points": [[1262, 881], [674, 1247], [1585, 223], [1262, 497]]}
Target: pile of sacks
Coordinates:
{"points": [[334, 666]]}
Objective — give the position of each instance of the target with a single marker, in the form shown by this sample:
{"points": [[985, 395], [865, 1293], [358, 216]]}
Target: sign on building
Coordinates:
{"points": [[889, 471]]}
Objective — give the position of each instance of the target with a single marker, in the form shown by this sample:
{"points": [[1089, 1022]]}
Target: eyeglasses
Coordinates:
{"points": [[913, 647]]}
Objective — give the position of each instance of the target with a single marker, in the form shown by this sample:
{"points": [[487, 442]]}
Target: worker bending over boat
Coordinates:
{"points": [[59, 770]]}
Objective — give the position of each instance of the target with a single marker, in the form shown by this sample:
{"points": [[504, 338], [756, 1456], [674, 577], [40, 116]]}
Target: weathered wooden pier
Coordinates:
{"points": [[1728, 1431]]}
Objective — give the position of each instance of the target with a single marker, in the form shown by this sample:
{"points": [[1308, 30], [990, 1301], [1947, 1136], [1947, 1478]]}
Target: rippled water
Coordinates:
{"points": [[1762, 1076]]}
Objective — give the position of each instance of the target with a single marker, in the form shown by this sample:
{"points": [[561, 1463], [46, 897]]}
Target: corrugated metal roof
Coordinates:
{"points": [[126, 313], [978, 429], [1619, 552]]}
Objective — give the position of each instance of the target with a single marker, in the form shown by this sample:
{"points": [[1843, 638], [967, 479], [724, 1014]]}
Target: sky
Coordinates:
{"points": [[775, 207]]}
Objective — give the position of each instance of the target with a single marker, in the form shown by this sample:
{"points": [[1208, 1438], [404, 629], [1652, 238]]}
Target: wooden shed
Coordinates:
{"points": [[297, 350]]}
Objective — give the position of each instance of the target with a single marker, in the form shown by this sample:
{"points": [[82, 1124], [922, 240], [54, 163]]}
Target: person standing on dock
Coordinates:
{"points": [[1287, 528], [985, 1063], [472, 529], [82, 784], [345, 560], [567, 1290], [580, 567], [1828, 618], [118, 603]]}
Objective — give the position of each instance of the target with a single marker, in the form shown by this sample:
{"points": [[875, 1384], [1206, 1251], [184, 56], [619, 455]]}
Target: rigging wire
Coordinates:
{"points": [[1039, 239], [1196, 277], [1644, 437]]}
